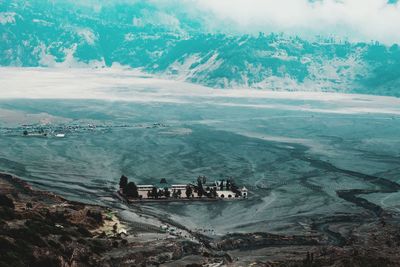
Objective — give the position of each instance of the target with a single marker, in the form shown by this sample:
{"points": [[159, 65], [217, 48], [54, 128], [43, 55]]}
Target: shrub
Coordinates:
{"points": [[131, 190], [39, 227], [7, 213], [44, 261], [6, 201], [96, 215], [82, 241], [65, 238], [97, 246], [54, 244], [5, 245], [85, 232]]}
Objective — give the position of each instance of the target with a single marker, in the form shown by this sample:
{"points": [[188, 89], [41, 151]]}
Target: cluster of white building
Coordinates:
{"points": [[218, 189]]}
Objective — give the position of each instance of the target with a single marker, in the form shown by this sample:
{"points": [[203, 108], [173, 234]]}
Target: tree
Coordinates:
{"points": [[167, 193], [234, 188], [213, 192], [154, 192], [131, 190], [6, 201], [189, 191], [200, 189], [228, 184], [123, 181]]}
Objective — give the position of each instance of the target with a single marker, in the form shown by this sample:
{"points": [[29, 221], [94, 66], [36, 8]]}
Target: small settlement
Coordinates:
{"points": [[163, 191]]}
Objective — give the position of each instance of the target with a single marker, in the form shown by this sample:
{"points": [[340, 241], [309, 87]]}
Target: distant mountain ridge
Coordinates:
{"points": [[177, 46]]}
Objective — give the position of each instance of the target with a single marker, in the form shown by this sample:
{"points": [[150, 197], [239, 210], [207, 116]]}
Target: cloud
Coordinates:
{"points": [[355, 20]]}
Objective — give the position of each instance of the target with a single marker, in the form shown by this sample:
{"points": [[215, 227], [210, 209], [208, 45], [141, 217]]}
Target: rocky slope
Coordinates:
{"points": [[41, 229]]}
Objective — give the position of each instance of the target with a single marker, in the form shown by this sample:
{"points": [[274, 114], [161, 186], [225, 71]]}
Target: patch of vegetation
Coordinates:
{"points": [[7, 213], [65, 238], [28, 236], [6, 201], [96, 216], [83, 231], [44, 261], [40, 227], [98, 246]]}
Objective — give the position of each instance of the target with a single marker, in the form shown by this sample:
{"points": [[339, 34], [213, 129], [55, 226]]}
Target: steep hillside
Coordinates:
{"points": [[175, 45]]}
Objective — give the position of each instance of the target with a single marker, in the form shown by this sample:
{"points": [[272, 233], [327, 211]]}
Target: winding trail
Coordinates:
{"points": [[351, 195]]}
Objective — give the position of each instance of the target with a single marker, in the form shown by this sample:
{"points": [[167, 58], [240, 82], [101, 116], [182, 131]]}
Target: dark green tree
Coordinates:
{"points": [[154, 192], [228, 184], [200, 189], [189, 191], [213, 192], [234, 188], [123, 181], [6, 201], [167, 193], [131, 190]]}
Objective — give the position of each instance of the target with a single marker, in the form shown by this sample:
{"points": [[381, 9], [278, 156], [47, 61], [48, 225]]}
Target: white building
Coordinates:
{"points": [[220, 189], [147, 187]]}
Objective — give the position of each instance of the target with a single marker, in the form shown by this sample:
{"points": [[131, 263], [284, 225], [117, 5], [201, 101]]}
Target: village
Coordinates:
{"points": [[163, 191]]}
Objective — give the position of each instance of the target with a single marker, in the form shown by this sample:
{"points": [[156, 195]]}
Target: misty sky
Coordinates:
{"points": [[356, 20], [352, 20]]}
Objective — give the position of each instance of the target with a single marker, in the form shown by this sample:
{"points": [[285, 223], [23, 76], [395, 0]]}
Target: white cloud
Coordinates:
{"points": [[357, 20]]}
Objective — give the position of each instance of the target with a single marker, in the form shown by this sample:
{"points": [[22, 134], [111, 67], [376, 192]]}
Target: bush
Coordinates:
{"points": [[57, 216], [44, 261], [96, 215], [27, 235], [54, 244], [98, 247], [39, 227], [6, 201], [22, 247], [11, 257], [85, 232], [5, 245], [7, 213], [81, 241], [65, 238]]}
